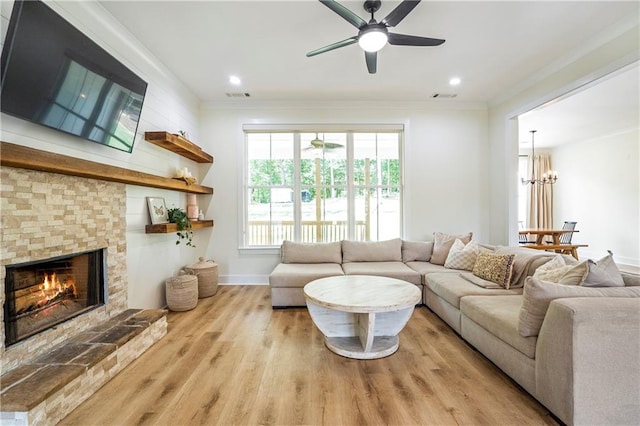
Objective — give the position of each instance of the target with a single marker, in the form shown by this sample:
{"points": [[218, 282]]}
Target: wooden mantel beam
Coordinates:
{"points": [[12, 155]]}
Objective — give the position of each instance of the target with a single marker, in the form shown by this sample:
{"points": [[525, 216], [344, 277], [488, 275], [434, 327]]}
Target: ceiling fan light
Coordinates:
{"points": [[372, 40]]}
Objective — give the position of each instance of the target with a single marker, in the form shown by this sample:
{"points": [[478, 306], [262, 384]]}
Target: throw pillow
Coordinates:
{"points": [[575, 275], [496, 268], [603, 273], [419, 251], [442, 243], [553, 270], [462, 256], [539, 294]]}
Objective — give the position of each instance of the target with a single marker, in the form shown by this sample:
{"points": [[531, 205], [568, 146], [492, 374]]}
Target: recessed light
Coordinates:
{"points": [[235, 80], [454, 81]]}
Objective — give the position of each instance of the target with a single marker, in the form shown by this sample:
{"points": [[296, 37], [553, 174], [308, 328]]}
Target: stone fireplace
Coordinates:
{"points": [[51, 218]]}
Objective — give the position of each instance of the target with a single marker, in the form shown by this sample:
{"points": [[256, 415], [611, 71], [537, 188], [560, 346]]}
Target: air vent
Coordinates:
{"points": [[444, 95], [238, 95]]}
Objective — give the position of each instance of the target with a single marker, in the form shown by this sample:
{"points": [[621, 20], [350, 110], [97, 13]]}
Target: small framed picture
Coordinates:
{"points": [[157, 210]]}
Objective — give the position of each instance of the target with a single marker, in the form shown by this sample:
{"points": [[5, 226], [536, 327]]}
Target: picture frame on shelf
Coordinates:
{"points": [[157, 210]]}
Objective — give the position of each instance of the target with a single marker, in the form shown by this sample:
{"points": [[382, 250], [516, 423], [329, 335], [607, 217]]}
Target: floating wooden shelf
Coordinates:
{"points": [[179, 145], [167, 228], [34, 159]]}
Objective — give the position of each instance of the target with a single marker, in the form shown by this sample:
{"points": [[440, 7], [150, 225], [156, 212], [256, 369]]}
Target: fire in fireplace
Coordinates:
{"points": [[39, 295]]}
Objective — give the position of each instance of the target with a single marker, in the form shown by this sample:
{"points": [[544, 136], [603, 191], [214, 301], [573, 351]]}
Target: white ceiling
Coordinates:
{"points": [[497, 48], [494, 47], [609, 106]]}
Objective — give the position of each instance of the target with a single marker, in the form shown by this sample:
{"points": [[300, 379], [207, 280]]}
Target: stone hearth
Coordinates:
{"points": [[45, 390]]}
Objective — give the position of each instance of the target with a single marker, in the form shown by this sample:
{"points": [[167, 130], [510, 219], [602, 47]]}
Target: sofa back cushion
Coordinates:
{"points": [[630, 280], [372, 251], [293, 252], [539, 294], [416, 251]]}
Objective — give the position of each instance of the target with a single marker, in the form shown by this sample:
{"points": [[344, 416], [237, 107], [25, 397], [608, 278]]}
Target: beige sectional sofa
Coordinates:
{"points": [[577, 352]]}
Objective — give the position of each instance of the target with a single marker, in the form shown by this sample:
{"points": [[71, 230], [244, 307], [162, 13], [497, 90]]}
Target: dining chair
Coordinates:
{"points": [[566, 237], [523, 238]]}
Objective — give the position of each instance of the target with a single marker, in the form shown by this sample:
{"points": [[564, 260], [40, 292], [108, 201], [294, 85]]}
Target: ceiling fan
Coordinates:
{"points": [[318, 143], [373, 35]]}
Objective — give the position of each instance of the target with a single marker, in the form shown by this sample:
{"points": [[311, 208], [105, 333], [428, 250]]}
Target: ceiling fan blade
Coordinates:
{"points": [[372, 59], [332, 145], [409, 40], [399, 13], [333, 46], [348, 15]]}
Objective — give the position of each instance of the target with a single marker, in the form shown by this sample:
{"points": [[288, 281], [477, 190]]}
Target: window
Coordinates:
{"points": [[322, 186]]}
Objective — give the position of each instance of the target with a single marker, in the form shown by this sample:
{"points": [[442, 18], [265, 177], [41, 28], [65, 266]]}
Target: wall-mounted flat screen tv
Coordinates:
{"points": [[54, 75]]}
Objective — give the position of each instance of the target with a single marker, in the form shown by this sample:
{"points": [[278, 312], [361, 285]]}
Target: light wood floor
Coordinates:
{"points": [[234, 360]]}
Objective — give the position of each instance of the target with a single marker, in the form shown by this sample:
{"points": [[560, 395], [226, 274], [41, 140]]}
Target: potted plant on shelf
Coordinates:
{"points": [[179, 217]]}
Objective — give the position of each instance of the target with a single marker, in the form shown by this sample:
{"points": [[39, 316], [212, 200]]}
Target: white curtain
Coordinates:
{"points": [[541, 196]]}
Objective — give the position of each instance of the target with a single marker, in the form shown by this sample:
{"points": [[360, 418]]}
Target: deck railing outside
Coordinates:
{"points": [[265, 233]]}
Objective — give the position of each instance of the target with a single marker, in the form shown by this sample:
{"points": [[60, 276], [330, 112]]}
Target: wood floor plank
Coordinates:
{"points": [[235, 360]]}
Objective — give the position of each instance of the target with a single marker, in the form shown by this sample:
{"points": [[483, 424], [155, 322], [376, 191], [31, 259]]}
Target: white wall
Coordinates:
{"points": [[445, 164], [598, 58], [601, 191], [167, 106]]}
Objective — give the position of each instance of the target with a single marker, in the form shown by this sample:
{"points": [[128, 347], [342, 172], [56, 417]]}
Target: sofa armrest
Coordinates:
{"points": [[588, 360]]}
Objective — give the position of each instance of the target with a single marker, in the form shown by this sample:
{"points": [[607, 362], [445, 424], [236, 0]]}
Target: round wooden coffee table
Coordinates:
{"points": [[361, 315]]}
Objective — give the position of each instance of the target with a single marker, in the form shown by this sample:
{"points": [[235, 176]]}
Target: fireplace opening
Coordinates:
{"points": [[39, 295]]}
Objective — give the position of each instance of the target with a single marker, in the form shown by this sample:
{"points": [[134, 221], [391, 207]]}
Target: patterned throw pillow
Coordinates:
{"points": [[462, 256], [553, 270], [495, 267]]}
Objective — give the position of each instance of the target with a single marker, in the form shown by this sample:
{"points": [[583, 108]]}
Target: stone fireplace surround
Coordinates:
{"points": [[46, 215]]}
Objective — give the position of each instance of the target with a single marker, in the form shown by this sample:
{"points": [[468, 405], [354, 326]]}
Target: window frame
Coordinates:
{"points": [[296, 130]]}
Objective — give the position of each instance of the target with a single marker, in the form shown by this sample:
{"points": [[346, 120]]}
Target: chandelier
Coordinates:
{"points": [[549, 177]]}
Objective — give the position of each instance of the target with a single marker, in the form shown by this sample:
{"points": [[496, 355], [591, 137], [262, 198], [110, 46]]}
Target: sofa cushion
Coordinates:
{"points": [[442, 243], [630, 279], [372, 251], [293, 252], [499, 316], [300, 274], [383, 269], [480, 281], [495, 267], [428, 268], [419, 251], [452, 287], [462, 256], [538, 294]]}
